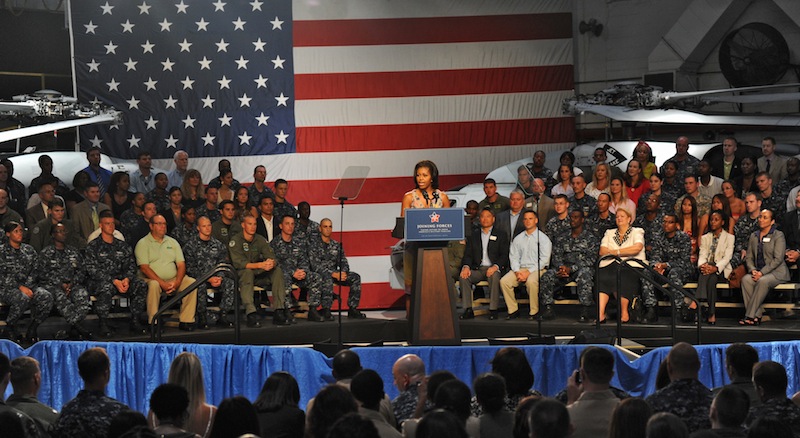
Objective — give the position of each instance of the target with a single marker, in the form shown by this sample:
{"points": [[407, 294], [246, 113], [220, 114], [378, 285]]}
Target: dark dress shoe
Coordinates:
{"points": [[492, 315], [136, 328], [252, 320], [513, 315], [223, 321], [313, 315], [468, 314], [326, 313], [355, 314], [548, 313], [186, 326], [104, 331], [585, 315], [279, 318], [80, 330], [650, 316]]}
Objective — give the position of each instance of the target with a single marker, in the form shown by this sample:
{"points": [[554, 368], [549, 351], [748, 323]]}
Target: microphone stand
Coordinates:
{"points": [[538, 267], [340, 257]]}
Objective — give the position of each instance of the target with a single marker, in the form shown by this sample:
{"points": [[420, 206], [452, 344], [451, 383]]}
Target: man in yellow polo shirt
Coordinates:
{"points": [[161, 263]]}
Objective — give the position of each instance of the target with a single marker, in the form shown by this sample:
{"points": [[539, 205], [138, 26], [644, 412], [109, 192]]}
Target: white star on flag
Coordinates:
{"points": [[111, 48], [133, 141], [244, 100], [133, 103], [93, 66], [170, 102], [147, 47], [171, 141], [278, 62], [208, 102], [282, 100], [262, 119], [165, 25], [151, 123], [281, 137], [202, 24], [276, 24], [224, 120], [244, 139], [107, 9], [90, 27], [208, 140], [188, 122], [150, 84]]}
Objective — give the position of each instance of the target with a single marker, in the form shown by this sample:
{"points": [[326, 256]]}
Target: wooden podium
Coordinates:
{"points": [[433, 319]]}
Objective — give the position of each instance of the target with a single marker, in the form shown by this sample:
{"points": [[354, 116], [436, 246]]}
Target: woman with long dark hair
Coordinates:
{"points": [[716, 251], [635, 181], [118, 196], [691, 223], [276, 405], [426, 194]]}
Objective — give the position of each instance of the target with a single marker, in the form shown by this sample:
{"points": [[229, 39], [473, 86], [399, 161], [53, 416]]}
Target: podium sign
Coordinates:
{"points": [[434, 224]]}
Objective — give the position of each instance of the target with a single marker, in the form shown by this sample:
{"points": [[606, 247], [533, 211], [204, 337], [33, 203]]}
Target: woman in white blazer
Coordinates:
{"points": [[716, 250]]}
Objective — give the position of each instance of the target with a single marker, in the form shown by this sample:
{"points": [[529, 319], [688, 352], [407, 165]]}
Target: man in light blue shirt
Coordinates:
{"points": [[528, 258]]}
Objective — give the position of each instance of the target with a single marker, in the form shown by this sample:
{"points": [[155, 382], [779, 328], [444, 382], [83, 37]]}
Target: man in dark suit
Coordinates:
{"points": [[86, 214], [791, 228], [510, 221], [39, 211], [543, 205], [726, 166], [485, 258], [266, 225]]}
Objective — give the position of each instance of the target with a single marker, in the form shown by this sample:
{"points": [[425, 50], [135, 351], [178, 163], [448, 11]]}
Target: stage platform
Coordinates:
{"points": [[391, 328]]}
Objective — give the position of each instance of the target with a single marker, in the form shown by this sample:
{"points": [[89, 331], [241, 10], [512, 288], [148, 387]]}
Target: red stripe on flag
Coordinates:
{"points": [[366, 243], [432, 30], [435, 135], [375, 190], [433, 83], [375, 296]]}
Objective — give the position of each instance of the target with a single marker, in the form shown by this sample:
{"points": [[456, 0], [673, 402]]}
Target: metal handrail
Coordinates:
{"points": [[222, 267], [658, 285]]}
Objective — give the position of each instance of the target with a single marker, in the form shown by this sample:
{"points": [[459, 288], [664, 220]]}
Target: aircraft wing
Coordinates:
{"points": [[41, 129], [624, 114]]}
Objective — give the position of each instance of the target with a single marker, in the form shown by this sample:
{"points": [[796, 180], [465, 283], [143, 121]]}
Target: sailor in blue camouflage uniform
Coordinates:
{"points": [[573, 260], [581, 200], [746, 225], [112, 270], [292, 256], [323, 253], [18, 283], [61, 274], [203, 252], [282, 206], [771, 381], [130, 218], [558, 227], [305, 229], [602, 220], [671, 257], [187, 229], [651, 221], [685, 396], [209, 208], [89, 414]]}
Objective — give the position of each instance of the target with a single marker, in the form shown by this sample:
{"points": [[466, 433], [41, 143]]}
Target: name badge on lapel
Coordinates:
{"points": [[492, 237]]}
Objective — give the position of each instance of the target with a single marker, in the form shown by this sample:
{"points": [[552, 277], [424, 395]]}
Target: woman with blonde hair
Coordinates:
{"points": [[619, 197], [187, 371], [192, 188], [626, 242], [601, 178]]}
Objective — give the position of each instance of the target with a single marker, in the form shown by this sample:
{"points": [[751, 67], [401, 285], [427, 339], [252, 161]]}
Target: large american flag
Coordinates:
{"points": [[310, 87]]}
